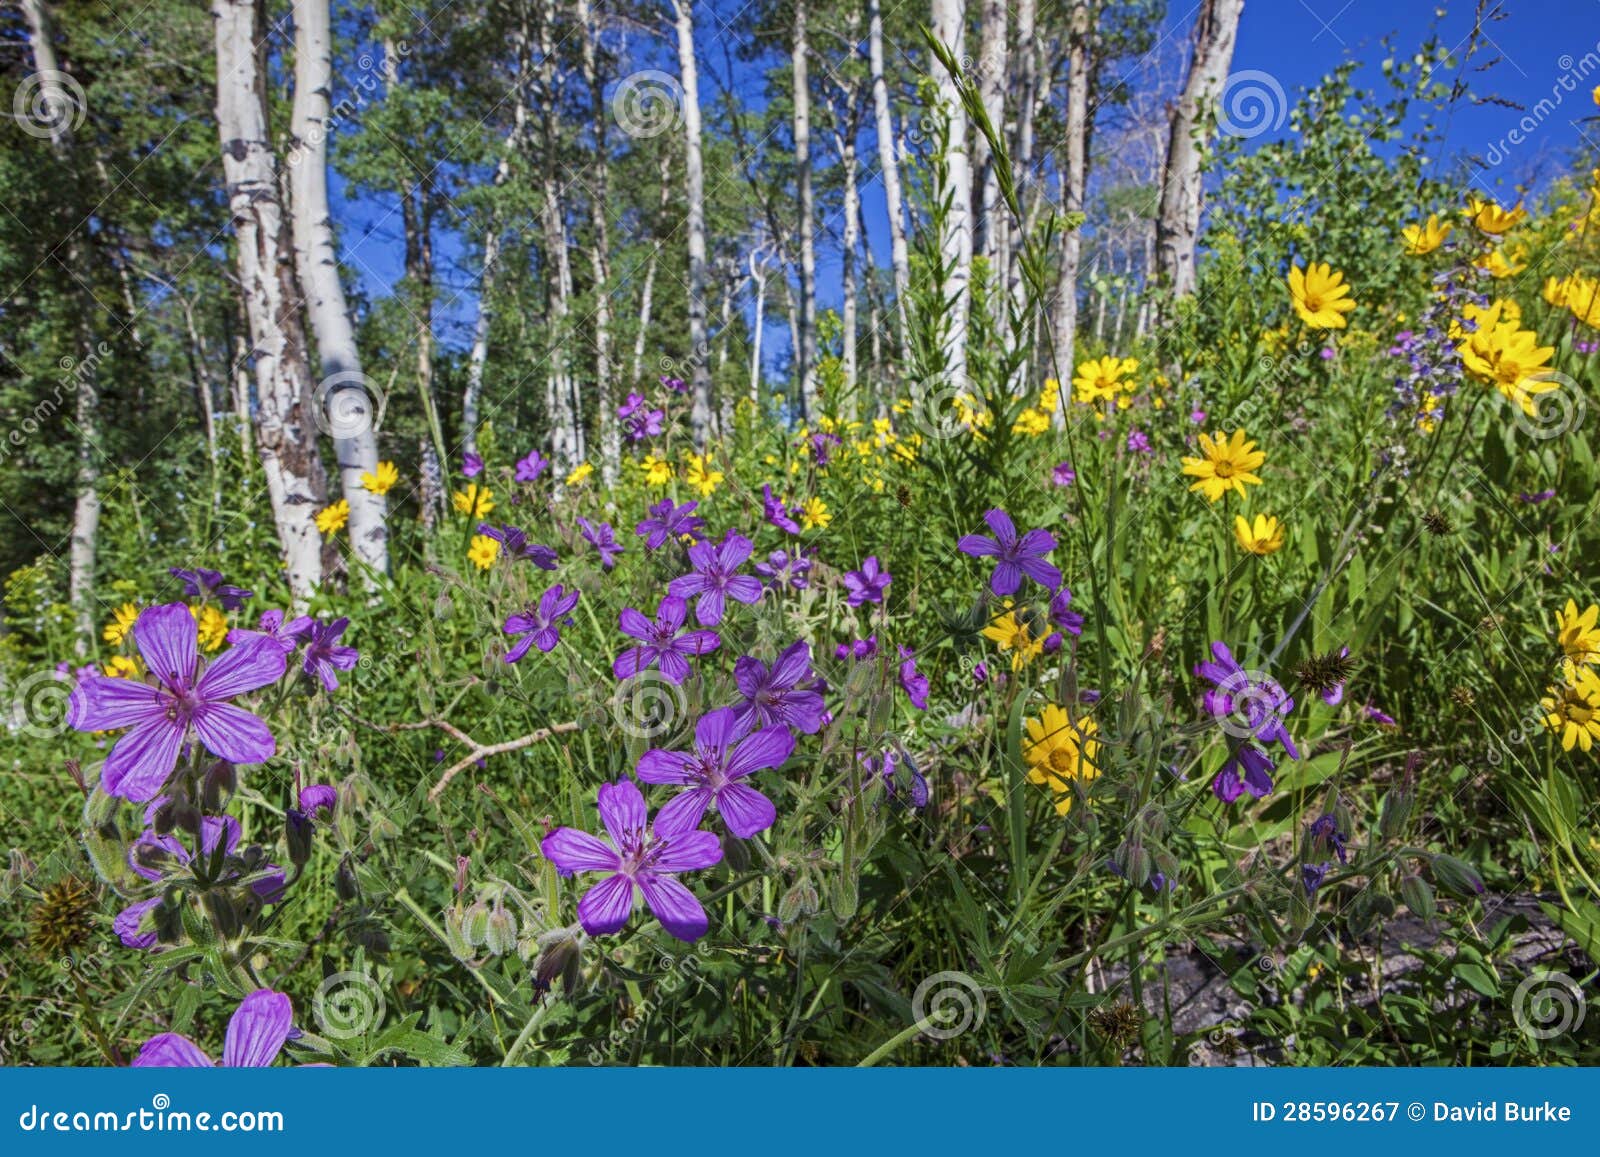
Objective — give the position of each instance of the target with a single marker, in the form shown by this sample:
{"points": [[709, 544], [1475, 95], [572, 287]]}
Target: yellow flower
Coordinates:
{"points": [[483, 551], [212, 624], [1577, 633], [1059, 753], [1429, 410], [122, 622], [124, 667], [1263, 536], [1031, 423], [1485, 317], [1424, 238], [1493, 220], [702, 477], [333, 518], [1101, 379], [1497, 265], [1583, 299], [656, 471], [1227, 465], [1595, 95], [1012, 634], [580, 475], [1511, 360], [382, 480], [476, 501], [814, 514], [1320, 296], [1555, 291], [1572, 708]]}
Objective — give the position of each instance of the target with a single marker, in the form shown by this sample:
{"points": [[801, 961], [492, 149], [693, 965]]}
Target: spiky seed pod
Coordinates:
{"points": [[1437, 522], [1117, 1024], [1462, 696], [1321, 673], [63, 919]]}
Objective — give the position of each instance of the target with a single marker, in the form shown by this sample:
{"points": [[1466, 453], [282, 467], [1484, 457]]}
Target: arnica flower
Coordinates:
{"points": [[1499, 266], [776, 513], [1577, 633], [256, 1035], [1489, 218], [483, 551], [783, 693], [1060, 753], [1425, 238], [1512, 361], [784, 569], [123, 667], [868, 584], [1014, 556], [1016, 635], [715, 578], [604, 540], [663, 647], [211, 626], [1227, 464], [476, 501], [1245, 697], [332, 519], [656, 471], [702, 476], [668, 521], [726, 752], [1572, 707], [471, 465], [1262, 536], [580, 474], [637, 857], [122, 620], [913, 682], [514, 542], [206, 585], [185, 695], [530, 468], [1320, 296], [381, 480], [323, 654], [814, 514], [541, 625], [1101, 379]]}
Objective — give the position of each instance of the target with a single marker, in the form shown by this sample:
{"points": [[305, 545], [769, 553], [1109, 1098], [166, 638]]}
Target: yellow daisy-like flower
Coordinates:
{"points": [[1424, 238], [1485, 317], [381, 480], [1492, 220], [1555, 291], [1512, 361], [124, 667], [121, 623], [1583, 299], [656, 471], [334, 517], [1497, 265], [701, 476], [212, 625], [1101, 379], [1595, 95], [1572, 707], [1578, 634], [476, 501], [1263, 536], [1013, 634], [580, 474], [1031, 423], [483, 551], [814, 514], [1059, 753], [1320, 296], [1228, 464]]}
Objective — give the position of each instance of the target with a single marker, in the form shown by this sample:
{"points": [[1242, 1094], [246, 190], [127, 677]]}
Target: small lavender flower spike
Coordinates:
{"points": [[1014, 557]]}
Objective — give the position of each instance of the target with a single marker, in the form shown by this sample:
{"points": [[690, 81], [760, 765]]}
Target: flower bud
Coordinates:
{"points": [[345, 885], [475, 925], [500, 935], [298, 831], [1414, 890], [222, 913], [1396, 811], [560, 955], [1457, 877], [220, 781], [455, 936]]}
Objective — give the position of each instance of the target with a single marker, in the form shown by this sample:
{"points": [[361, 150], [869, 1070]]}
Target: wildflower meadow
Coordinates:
{"points": [[798, 535]]}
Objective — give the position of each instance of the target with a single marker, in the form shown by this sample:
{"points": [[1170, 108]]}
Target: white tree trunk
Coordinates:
{"points": [[758, 280], [992, 88], [1216, 29], [647, 290], [807, 353], [955, 243], [600, 257], [284, 426], [562, 400], [347, 396], [899, 255], [694, 183], [1074, 183]]}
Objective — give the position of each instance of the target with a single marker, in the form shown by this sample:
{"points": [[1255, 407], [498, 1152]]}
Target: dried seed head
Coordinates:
{"points": [[1322, 673], [1118, 1024], [1437, 522], [63, 919]]}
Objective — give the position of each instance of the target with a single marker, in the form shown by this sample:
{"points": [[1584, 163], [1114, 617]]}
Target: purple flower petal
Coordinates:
{"points": [[745, 810], [243, 668], [168, 640], [675, 906], [622, 810], [605, 907], [170, 1050], [683, 812], [233, 733], [768, 747], [142, 760], [573, 851], [257, 1030]]}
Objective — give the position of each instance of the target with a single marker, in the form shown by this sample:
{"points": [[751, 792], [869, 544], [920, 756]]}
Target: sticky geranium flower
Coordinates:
{"points": [[726, 752], [776, 513], [530, 468], [471, 465], [715, 578], [912, 681], [783, 568], [1063, 474], [668, 521], [515, 545], [283, 631], [604, 540], [638, 856], [185, 696], [868, 584], [1061, 616], [541, 626], [1248, 770], [257, 1032], [1014, 556], [639, 422], [323, 654], [663, 646], [782, 693], [1247, 697], [200, 583]]}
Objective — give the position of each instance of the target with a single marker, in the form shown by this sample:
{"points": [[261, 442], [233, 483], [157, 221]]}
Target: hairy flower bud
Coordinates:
{"points": [[500, 933], [1457, 877], [475, 925]]}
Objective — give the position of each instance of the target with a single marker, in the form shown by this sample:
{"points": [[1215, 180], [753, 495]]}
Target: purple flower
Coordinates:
{"points": [[185, 695], [1334, 695], [200, 583], [638, 422], [1541, 496], [1312, 875], [638, 856], [1197, 416], [822, 447], [783, 568], [273, 625], [1247, 770], [668, 521], [514, 542], [1014, 557], [1138, 442], [1063, 474], [725, 752], [776, 513], [541, 625], [129, 925], [471, 465], [714, 578], [913, 682], [858, 649], [1247, 697], [663, 646], [1381, 718], [885, 770], [529, 468], [256, 1034], [868, 584], [676, 385], [1067, 620], [1325, 830], [318, 796], [784, 693], [603, 539], [323, 655]]}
